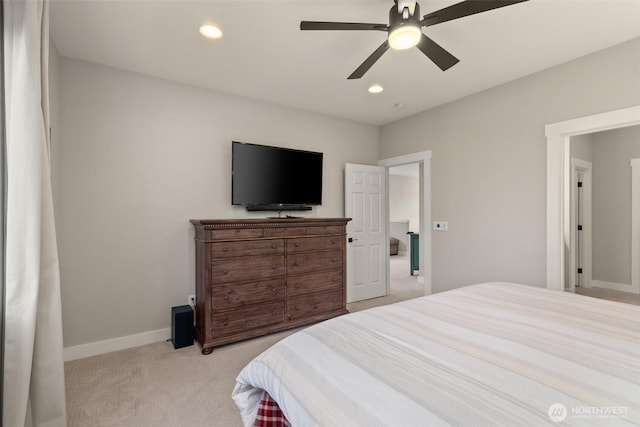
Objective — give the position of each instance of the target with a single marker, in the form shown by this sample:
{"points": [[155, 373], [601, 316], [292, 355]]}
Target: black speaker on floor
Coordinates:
{"points": [[182, 326]]}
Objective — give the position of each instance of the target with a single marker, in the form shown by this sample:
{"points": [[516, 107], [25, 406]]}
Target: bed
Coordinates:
{"points": [[483, 355]]}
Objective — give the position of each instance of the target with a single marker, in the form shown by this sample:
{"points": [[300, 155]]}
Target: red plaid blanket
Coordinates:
{"points": [[270, 414]]}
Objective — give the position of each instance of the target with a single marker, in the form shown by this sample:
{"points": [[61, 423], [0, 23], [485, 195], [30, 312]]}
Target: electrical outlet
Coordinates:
{"points": [[191, 300]]}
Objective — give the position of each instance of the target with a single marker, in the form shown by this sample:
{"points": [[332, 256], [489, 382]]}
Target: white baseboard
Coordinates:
{"points": [[611, 285], [100, 347]]}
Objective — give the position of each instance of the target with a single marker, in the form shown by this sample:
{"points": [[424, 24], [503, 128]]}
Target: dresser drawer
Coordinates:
{"points": [[314, 282], [315, 261], [246, 318], [306, 244], [234, 295], [315, 304], [284, 231], [246, 248], [248, 268], [328, 229], [234, 234]]}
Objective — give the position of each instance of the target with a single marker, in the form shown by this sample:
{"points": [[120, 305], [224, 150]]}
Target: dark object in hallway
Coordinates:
{"points": [[393, 246]]}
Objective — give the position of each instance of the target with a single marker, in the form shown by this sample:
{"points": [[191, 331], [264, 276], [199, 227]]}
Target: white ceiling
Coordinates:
{"points": [[263, 54]]}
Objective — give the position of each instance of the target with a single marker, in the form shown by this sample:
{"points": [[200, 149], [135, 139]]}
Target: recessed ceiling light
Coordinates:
{"points": [[376, 89], [211, 31]]}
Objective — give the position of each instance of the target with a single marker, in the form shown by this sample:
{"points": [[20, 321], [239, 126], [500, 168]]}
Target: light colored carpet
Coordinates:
{"points": [[155, 385]]}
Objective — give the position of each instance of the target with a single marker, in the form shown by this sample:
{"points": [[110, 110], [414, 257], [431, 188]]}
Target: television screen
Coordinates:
{"points": [[265, 175]]}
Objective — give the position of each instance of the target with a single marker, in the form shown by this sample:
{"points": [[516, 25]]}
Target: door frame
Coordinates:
{"points": [[579, 165], [558, 135], [424, 159]]}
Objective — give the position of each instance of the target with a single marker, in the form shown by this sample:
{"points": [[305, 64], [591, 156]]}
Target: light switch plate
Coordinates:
{"points": [[440, 225]]}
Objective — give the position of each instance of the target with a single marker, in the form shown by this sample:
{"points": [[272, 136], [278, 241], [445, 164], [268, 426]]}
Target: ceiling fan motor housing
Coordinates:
{"points": [[411, 4], [404, 16]]}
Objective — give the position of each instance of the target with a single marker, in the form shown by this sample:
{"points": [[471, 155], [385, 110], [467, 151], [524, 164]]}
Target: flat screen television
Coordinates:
{"points": [[275, 178]]}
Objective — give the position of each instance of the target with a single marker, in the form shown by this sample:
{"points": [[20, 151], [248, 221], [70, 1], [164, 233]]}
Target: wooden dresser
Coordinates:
{"points": [[257, 276]]}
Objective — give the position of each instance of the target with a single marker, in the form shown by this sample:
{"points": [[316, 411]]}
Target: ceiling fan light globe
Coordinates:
{"points": [[404, 37]]}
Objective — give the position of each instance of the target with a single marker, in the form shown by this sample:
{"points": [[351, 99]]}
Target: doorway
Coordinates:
{"points": [[404, 228], [423, 160], [558, 181], [602, 193]]}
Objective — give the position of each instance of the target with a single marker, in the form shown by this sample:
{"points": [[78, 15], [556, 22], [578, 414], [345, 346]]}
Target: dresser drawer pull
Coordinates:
{"points": [[226, 297], [297, 244], [225, 323], [298, 285], [334, 259], [273, 246], [297, 308], [274, 266], [334, 280], [225, 250], [274, 312], [296, 264], [225, 272]]}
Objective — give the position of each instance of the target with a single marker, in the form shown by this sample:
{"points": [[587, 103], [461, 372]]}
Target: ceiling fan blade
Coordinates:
{"points": [[443, 59], [465, 8], [364, 67], [316, 25]]}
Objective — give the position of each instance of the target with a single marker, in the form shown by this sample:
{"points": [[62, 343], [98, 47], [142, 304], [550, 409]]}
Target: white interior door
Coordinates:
{"points": [[367, 247], [579, 270]]}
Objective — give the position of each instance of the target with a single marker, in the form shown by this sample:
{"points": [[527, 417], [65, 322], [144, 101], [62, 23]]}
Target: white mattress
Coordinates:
{"points": [[488, 354]]}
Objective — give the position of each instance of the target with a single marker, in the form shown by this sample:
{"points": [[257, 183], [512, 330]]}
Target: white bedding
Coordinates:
{"points": [[488, 354]]}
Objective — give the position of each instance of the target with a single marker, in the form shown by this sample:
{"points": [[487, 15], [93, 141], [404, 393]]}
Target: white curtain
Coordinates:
{"points": [[34, 391]]}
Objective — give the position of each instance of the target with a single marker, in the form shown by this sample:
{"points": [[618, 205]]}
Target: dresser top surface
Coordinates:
{"points": [[268, 222]]}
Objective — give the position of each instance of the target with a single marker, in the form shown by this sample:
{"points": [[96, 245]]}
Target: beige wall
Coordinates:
{"points": [[137, 157], [489, 163]]}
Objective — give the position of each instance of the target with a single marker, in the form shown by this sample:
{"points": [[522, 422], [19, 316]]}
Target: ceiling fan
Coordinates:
{"points": [[405, 30]]}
